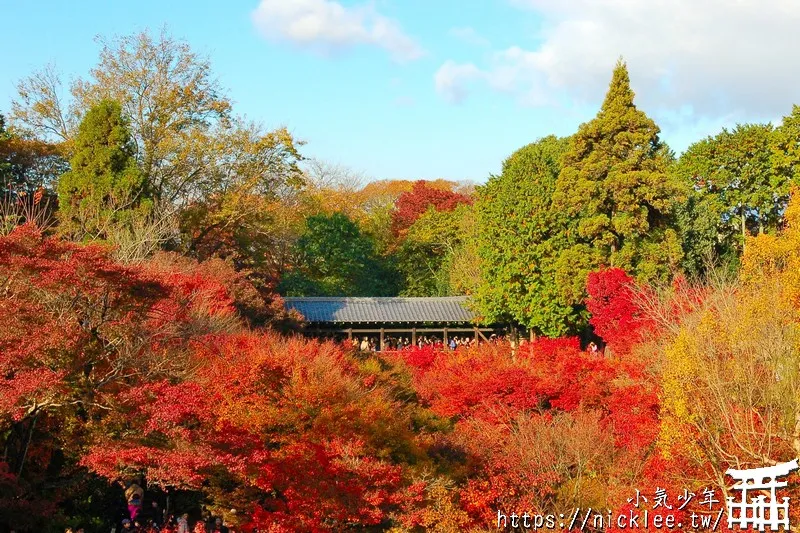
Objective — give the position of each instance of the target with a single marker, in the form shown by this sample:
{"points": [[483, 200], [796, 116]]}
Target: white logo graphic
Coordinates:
{"points": [[758, 512]]}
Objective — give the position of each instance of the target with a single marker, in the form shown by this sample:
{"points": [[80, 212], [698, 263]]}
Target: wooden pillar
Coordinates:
{"points": [[414, 337], [382, 336], [532, 335], [476, 334], [350, 334], [447, 346]]}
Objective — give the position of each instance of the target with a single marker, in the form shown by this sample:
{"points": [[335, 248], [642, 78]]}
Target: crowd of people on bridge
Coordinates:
{"points": [[390, 343], [372, 344]]}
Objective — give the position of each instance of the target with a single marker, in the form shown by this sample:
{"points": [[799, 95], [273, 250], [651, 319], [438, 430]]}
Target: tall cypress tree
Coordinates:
{"points": [[615, 188], [104, 189]]}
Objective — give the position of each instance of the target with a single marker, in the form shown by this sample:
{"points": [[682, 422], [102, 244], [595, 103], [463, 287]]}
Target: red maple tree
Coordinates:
{"points": [[412, 204]]}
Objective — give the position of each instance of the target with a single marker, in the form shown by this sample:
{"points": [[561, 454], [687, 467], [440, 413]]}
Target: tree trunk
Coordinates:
{"points": [[514, 342], [744, 229], [27, 445]]}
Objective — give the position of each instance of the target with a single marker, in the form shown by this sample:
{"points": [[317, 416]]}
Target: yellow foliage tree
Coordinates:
{"points": [[770, 257], [731, 365]]}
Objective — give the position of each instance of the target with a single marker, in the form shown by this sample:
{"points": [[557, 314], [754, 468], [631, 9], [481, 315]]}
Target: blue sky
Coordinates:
{"points": [[417, 89]]}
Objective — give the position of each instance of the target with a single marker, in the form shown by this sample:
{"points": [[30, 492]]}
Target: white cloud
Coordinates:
{"points": [[705, 58], [327, 26], [469, 35], [452, 78]]}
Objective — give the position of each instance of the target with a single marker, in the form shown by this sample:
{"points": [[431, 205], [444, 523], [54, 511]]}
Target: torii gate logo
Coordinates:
{"points": [[759, 512]]}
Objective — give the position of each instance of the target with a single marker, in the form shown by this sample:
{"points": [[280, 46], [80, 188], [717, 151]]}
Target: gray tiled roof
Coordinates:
{"points": [[452, 309]]}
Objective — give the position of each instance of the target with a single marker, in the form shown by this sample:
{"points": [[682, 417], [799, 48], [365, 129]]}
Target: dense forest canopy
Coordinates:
{"points": [[148, 234]]}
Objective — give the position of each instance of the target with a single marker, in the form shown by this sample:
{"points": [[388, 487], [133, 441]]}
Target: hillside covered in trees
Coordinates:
{"points": [[148, 234]]}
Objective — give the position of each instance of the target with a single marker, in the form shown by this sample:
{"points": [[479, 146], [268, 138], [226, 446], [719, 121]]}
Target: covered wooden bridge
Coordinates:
{"points": [[356, 317]]}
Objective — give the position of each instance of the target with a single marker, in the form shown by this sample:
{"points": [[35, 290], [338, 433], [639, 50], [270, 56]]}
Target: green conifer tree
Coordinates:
{"points": [[615, 188], [104, 191]]}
